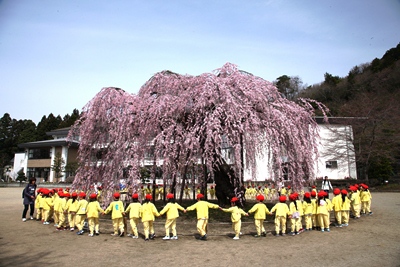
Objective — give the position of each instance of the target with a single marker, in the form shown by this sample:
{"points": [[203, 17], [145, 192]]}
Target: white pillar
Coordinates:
{"points": [[64, 156]]}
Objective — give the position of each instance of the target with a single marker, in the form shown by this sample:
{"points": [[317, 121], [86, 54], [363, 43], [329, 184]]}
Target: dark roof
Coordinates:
{"points": [[49, 143], [61, 131], [338, 120]]}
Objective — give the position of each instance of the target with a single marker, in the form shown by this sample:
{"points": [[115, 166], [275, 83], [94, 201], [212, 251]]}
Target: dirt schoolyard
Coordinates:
{"points": [[369, 241]]}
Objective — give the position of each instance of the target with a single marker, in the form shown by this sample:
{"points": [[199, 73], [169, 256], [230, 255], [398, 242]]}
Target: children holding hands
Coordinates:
{"points": [[171, 209], [260, 211], [117, 209], [202, 207], [134, 210], [236, 215]]}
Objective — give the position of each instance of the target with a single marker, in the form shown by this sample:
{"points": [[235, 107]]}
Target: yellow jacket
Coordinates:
{"points": [[346, 204], [38, 203], [117, 208], [314, 205], [236, 213], [337, 203], [308, 208], [134, 210], [47, 203], [281, 209], [82, 204], [172, 210], [202, 208], [355, 198], [292, 208], [260, 210], [72, 207], [324, 206], [93, 209], [365, 196], [148, 212], [57, 204]]}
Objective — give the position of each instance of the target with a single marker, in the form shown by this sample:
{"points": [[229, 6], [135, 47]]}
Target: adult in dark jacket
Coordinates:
{"points": [[29, 198]]}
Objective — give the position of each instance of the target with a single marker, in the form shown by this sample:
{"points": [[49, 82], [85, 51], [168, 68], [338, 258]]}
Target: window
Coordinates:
{"points": [[39, 153], [331, 164]]}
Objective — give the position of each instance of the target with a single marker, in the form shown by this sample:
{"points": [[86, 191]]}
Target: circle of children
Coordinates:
{"points": [[73, 208]]}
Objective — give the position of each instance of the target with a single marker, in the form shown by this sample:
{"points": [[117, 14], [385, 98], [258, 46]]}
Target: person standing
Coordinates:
{"points": [[326, 185], [29, 195], [260, 211], [236, 215], [171, 209], [201, 208], [148, 213]]}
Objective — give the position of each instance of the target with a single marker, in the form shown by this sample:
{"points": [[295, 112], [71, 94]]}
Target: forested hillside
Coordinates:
{"points": [[371, 94]]}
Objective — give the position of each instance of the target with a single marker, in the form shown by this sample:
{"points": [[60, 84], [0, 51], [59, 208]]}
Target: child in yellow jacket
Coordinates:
{"points": [[172, 214], [260, 211], [72, 208], [92, 211], [134, 215], [345, 208], [47, 205], [81, 212], [38, 204], [365, 196], [117, 209], [323, 211], [236, 215], [355, 202], [281, 211], [337, 206], [201, 208], [307, 211], [148, 213], [296, 212], [314, 216], [62, 204]]}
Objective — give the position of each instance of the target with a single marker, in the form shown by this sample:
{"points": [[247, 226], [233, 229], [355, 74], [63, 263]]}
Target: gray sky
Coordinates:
{"points": [[56, 55]]}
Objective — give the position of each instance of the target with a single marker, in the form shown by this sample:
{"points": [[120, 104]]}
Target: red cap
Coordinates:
{"points": [[135, 195], [307, 195], [67, 195], [260, 198], [313, 193], [234, 199], [199, 196], [170, 196], [60, 193], [93, 196], [74, 194], [149, 197], [288, 187], [364, 186], [336, 191], [282, 199], [45, 191], [82, 194], [116, 195], [321, 194], [344, 192], [313, 186], [292, 197]]}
